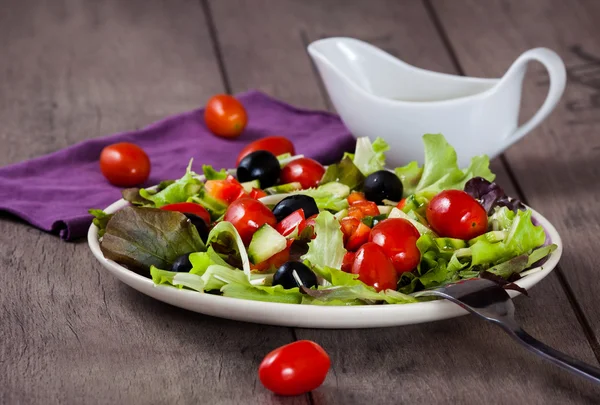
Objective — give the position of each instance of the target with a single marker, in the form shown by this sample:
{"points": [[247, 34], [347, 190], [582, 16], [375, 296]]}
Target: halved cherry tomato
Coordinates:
{"points": [[124, 164], [287, 225], [356, 196], [348, 262], [277, 145], [355, 233], [398, 239], [374, 268], [247, 215], [189, 208], [276, 261], [257, 193], [355, 212], [401, 204], [306, 171], [225, 116], [310, 224], [227, 190], [455, 214], [368, 208], [295, 368]]}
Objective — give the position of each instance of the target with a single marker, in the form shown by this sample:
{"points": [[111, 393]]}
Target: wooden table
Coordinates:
{"points": [[72, 70]]}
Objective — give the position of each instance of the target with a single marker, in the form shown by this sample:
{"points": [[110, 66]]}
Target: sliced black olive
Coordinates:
{"points": [[285, 275], [260, 165], [182, 264], [200, 225], [293, 203], [383, 185]]}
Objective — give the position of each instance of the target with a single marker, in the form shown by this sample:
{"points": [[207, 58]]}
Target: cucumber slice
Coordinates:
{"points": [[337, 189], [450, 244], [284, 188], [265, 243], [249, 185]]}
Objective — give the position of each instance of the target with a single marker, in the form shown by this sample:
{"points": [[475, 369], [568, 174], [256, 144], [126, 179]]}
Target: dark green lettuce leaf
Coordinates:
{"points": [[344, 172], [138, 238]]}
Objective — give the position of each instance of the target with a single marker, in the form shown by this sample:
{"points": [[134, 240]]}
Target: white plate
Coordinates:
{"points": [[307, 316]]}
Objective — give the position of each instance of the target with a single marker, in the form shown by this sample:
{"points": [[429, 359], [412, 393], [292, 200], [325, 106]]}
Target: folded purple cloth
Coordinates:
{"points": [[54, 192]]}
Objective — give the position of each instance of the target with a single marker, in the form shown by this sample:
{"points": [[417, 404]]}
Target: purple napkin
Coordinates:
{"points": [[55, 191]]}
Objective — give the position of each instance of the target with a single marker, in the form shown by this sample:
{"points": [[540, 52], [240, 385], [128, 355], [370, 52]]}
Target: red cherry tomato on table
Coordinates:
{"points": [[455, 214], [189, 208], [398, 239], [225, 116], [374, 268], [247, 215], [124, 164], [277, 145], [306, 171], [295, 368]]}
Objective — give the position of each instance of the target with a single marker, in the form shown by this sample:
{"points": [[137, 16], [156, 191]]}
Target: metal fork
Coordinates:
{"points": [[490, 301]]}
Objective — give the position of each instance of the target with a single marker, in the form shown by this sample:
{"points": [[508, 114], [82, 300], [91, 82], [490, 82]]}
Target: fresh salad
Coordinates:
{"points": [[284, 228]]}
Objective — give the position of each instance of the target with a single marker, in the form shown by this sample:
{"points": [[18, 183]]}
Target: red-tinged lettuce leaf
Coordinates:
{"points": [[138, 238]]}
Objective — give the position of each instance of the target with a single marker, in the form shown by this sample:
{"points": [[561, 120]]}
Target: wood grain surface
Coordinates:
{"points": [[71, 70], [558, 165], [70, 332]]}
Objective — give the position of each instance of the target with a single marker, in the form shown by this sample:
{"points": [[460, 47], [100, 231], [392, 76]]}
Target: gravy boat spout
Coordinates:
{"points": [[378, 95]]}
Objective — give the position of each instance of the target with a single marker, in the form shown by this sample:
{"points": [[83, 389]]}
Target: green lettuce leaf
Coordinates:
{"points": [[201, 261], [179, 191], [101, 219], [327, 249], [212, 174], [142, 237], [176, 279], [370, 157], [261, 293], [226, 240], [440, 170], [409, 175], [344, 172]]}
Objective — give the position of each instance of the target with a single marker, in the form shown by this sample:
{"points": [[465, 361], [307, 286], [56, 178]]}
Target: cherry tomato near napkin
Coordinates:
{"points": [[124, 164], [295, 368], [277, 145], [225, 116]]}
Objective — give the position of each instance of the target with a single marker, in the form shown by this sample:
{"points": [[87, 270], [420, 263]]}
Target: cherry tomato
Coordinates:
{"points": [[227, 190], [295, 368], [287, 225], [374, 268], [277, 145], [257, 193], [368, 208], [355, 212], [398, 239], [189, 208], [348, 262], [275, 261], [455, 214], [247, 215], [306, 171], [225, 116], [401, 204], [355, 233], [356, 196], [124, 164]]}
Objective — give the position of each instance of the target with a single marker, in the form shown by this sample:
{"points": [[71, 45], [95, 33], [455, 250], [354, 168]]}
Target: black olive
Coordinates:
{"points": [[200, 225], [260, 165], [182, 264], [293, 203], [383, 185], [285, 275]]}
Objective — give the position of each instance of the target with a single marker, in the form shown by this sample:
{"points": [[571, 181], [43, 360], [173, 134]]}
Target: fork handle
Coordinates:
{"points": [[556, 357]]}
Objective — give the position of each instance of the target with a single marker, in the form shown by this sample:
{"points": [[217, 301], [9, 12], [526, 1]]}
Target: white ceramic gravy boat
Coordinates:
{"points": [[377, 95]]}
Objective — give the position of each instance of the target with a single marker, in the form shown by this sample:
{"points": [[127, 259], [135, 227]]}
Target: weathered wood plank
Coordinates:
{"points": [[558, 164], [456, 361], [70, 332]]}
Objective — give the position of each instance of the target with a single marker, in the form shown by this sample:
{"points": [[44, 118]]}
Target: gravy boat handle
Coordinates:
{"points": [[557, 75]]}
